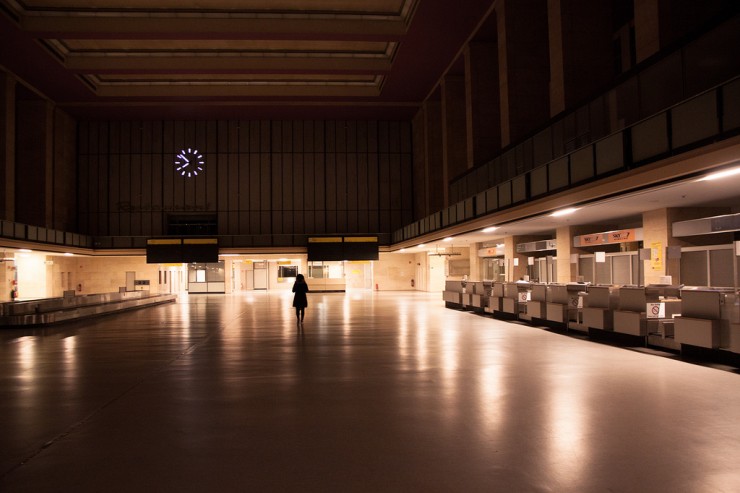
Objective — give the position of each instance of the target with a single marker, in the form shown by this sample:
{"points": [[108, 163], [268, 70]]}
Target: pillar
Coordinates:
{"points": [[580, 50], [34, 145], [475, 262], [524, 67], [454, 138], [567, 271], [647, 28], [482, 102], [7, 147], [437, 189]]}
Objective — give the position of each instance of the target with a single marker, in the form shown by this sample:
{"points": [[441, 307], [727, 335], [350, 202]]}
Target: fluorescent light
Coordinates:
{"points": [[68, 254], [420, 245], [490, 229], [564, 212], [449, 238], [721, 174], [25, 250], [402, 250]]}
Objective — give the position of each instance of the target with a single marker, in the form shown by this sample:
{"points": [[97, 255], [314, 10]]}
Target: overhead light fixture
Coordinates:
{"points": [[449, 238], [25, 250], [420, 245], [721, 174], [563, 212], [490, 229], [402, 250], [67, 254]]}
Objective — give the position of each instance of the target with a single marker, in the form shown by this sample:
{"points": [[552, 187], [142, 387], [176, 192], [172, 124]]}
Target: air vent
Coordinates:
{"points": [[708, 225], [536, 246]]}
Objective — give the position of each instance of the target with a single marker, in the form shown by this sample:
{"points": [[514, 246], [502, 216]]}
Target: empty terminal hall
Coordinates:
{"points": [[370, 246]]}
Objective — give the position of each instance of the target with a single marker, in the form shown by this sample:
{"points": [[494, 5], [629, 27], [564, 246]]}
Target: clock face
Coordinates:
{"points": [[189, 162]]}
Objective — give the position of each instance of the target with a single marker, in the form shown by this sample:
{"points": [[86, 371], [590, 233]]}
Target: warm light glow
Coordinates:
{"points": [[25, 250], [447, 239], [67, 254], [422, 245], [721, 174], [490, 229], [402, 250], [564, 212]]}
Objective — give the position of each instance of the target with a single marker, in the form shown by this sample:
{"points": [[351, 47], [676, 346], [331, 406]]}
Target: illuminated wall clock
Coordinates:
{"points": [[189, 162]]}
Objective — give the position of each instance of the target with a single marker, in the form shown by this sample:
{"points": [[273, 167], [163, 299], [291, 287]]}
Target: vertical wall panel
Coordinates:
{"points": [[297, 140], [245, 180], [373, 181], [265, 185], [146, 194], [361, 128], [353, 183], [276, 168], [254, 183], [287, 137], [341, 181], [287, 181], [308, 136], [308, 183], [234, 185], [114, 174], [318, 137], [330, 136], [330, 180], [298, 181], [114, 138], [222, 199], [254, 136]]}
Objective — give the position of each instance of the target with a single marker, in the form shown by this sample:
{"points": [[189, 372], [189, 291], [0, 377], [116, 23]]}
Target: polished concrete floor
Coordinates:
{"points": [[378, 392]]}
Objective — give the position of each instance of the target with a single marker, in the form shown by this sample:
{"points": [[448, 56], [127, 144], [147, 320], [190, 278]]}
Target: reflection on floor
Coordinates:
{"points": [[378, 392]]}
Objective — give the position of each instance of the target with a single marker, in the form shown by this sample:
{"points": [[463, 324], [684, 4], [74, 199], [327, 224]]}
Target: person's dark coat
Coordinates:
{"points": [[299, 300]]}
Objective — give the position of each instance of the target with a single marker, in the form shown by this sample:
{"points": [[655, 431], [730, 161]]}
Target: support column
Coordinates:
{"points": [[475, 262], [454, 138], [647, 28], [7, 147], [557, 64], [581, 50], [421, 170], [437, 189], [482, 102], [34, 145], [657, 236], [524, 67], [567, 271]]}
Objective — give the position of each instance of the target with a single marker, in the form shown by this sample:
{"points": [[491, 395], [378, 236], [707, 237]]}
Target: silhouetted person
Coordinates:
{"points": [[300, 302]]}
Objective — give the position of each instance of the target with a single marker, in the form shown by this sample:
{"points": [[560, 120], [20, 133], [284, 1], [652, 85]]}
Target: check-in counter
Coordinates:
{"points": [[598, 307], [514, 301], [477, 295], [631, 316], [709, 319], [537, 302], [495, 300], [453, 293]]}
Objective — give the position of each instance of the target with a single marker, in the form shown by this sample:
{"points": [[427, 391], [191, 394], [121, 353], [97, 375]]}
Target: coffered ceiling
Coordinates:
{"points": [[300, 58]]}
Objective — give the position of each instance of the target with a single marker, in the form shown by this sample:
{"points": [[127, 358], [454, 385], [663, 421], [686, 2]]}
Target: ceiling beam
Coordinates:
{"points": [[171, 27], [213, 63], [236, 90]]}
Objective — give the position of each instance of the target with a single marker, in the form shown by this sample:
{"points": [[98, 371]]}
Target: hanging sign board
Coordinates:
{"points": [[608, 237]]}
